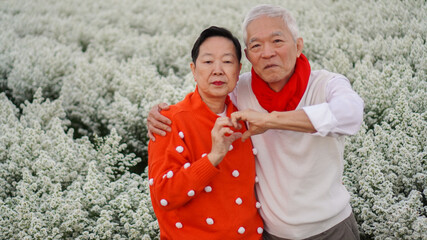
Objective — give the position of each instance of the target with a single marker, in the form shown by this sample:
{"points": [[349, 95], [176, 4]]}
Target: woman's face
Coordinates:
{"points": [[217, 68]]}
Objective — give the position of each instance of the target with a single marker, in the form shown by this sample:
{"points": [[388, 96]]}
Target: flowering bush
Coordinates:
{"points": [[100, 65], [55, 187]]}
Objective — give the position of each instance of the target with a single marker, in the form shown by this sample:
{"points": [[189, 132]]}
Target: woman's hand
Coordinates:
{"points": [[222, 138]]}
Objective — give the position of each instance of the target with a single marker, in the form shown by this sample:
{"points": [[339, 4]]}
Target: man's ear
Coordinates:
{"points": [[300, 46], [246, 53]]}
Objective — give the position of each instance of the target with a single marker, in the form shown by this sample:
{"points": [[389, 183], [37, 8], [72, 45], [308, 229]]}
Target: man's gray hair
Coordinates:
{"points": [[270, 11]]}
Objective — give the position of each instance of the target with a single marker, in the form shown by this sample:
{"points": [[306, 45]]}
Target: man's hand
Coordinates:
{"points": [[222, 138], [156, 122], [255, 120], [296, 120]]}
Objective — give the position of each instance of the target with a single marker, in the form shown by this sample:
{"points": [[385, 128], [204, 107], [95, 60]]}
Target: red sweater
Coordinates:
{"points": [[191, 198]]}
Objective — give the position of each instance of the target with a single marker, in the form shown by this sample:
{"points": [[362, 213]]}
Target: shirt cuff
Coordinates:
{"points": [[322, 118], [204, 171]]}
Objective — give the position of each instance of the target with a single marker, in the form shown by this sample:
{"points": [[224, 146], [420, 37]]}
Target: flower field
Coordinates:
{"points": [[77, 79]]}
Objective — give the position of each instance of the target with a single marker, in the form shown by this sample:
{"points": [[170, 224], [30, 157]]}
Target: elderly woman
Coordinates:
{"points": [[202, 175]]}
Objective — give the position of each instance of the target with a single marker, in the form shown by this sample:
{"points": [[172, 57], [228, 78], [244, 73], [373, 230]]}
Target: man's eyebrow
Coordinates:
{"points": [[278, 33], [273, 34], [252, 40]]}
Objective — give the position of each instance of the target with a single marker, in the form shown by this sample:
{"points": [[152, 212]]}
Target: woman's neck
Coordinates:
{"points": [[216, 105]]}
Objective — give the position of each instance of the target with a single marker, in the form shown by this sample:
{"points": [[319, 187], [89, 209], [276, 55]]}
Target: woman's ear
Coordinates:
{"points": [[193, 70]]}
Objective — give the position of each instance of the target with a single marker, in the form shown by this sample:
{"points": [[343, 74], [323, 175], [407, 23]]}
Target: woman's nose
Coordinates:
{"points": [[217, 70]]}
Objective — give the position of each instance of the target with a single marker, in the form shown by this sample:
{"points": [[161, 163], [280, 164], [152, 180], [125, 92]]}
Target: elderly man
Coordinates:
{"points": [[297, 120]]}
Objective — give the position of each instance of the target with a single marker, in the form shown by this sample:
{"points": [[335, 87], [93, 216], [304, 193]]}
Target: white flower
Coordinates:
{"points": [[104, 65]]}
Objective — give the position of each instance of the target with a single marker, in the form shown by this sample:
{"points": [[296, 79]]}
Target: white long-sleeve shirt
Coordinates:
{"points": [[341, 114], [300, 174]]}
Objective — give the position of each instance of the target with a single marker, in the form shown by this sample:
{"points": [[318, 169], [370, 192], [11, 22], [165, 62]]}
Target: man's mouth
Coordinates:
{"points": [[270, 66]]}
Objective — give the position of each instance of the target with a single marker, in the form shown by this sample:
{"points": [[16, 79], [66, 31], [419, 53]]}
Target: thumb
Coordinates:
{"points": [[246, 135], [234, 120], [236, 135]]}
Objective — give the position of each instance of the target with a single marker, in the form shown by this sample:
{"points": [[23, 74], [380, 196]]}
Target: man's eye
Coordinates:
{"points": [[255, 46], [207, 62], [277, 40]]}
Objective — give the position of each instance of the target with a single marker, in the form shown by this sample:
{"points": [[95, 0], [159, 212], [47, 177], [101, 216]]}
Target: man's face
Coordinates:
{"points": [[217, 68], [272, 50]]}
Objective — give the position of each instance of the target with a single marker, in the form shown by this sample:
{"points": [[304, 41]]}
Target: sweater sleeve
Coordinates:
{"points": [[175, 178], [341, 114]]}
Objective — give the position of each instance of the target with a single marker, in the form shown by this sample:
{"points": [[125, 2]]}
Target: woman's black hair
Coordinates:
{"points": [[215, 31]]}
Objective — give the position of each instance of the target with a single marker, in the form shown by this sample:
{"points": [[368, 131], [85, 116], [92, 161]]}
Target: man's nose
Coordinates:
{"points": [[268, 51]]}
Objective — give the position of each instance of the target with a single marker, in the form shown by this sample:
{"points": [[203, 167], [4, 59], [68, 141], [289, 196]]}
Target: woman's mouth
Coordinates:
{"points": [[218, 83]]}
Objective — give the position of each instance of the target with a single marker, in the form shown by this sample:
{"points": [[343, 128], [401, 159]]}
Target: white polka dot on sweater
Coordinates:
{"points": [[204, 154], [258, 205], [181, 135], [254, 151], [230, 148], [256, 179], [209, 221], [260, 230], [191, 193], [208, 189], [169, 174], [151, 181], [241, 230], [238, 201], [164, 202], [187, 165], [180, 149], [178, 225], [235, 173]]}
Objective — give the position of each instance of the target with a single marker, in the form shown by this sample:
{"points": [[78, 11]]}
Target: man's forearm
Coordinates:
{"points": [[292, 120]]}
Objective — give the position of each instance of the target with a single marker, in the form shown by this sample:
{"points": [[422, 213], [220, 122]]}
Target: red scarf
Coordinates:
{"points": [[289, 97]]}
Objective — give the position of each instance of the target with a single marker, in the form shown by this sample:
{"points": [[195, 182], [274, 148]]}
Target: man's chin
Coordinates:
{"points": [[272, 78]]}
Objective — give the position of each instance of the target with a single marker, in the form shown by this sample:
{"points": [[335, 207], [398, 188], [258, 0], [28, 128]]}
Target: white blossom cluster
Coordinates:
{"points": [[108, 62], [56, 187]]}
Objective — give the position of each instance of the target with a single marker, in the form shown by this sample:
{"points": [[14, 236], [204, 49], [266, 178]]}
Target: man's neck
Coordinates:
{"points": [[278, 86]]}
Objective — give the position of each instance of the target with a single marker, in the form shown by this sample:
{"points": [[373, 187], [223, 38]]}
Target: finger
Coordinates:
{"points": [[154, 125], [163, 106], [154, 114], [157, 131], [225, 132], [151, 136], [157, 128], [246, 135], [223, 122], [160, 118], [235, 118], [233, 137]]}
